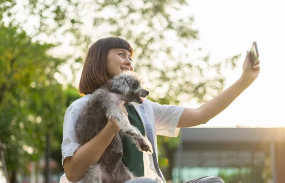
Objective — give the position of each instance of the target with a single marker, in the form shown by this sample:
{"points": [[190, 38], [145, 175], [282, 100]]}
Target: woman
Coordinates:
{"points": [[109, 57]]}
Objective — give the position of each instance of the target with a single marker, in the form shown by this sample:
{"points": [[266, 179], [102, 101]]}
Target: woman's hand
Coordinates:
{"points": [[114, 122], [250, 71]]}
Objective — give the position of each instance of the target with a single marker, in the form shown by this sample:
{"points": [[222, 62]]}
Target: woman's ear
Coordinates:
{"points": [[120, 85]]}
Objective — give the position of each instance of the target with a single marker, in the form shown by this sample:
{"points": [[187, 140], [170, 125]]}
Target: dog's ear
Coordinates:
{"points": [[120, 85]]}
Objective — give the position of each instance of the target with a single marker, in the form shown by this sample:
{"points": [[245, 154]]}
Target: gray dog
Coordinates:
{"points": [[104, 103]]}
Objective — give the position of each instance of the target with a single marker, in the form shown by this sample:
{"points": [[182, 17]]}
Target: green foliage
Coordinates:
{"points": [[31, 100], [71, 94], [150, 26]]}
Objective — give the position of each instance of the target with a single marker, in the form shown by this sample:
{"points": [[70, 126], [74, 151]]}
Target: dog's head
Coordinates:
{"points": [[128, 84]]}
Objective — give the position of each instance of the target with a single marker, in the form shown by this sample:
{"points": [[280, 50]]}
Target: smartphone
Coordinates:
{"points": [[254, 53]]}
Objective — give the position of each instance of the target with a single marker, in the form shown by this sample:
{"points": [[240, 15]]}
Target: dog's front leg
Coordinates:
{"points": [[141, 142]]}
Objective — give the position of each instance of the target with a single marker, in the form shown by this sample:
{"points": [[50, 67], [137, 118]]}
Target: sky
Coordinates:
{"points": [[228, 28]]}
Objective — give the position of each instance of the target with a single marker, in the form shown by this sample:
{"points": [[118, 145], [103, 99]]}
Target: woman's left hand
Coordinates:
{"points": [[250, 70]]}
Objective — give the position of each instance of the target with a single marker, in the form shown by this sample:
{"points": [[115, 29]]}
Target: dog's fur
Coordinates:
{"points": [[104, 103]]}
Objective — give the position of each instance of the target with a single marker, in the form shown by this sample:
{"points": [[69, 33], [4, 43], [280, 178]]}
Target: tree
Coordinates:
{"points": [[173, 75], [31, 100], [71, 94]]}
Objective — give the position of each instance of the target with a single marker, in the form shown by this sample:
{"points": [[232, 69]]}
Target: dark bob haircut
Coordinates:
{"points": [[94, 72]]}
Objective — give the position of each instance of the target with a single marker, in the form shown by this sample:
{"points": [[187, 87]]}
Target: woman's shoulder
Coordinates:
{"points": [[79, 103], [157, 106], [149, 103]]}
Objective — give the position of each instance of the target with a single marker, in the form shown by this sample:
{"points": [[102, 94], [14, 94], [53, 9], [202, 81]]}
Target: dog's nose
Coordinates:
{"points": [[146, 92]]}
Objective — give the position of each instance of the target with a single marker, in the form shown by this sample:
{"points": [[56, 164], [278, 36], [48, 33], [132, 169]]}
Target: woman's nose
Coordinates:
{"points": [[128, 62]]}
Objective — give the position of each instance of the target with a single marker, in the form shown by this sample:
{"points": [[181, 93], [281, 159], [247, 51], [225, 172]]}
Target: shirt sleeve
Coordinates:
{"points": [[69, 142], [166, 119]]}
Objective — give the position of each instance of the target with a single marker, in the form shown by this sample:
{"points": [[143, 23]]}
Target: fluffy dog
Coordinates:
{"points": [[104, 103]]}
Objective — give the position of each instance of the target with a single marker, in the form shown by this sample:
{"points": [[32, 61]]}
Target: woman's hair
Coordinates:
{"points": [[94, 72]]}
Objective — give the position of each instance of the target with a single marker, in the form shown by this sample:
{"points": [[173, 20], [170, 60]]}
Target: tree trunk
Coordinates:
{"points": [[13, 178], [4, 167], [47, 157]]}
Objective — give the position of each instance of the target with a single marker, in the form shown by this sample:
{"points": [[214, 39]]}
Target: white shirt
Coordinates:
{"points": [[163, 118]]}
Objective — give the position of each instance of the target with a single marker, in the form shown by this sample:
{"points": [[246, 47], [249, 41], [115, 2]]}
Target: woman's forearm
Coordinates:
{"points": [[192, 117], [89, 154], [222, 101]]}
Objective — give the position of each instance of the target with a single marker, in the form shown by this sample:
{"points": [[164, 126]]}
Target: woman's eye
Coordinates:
{"points": [[123, 55]]}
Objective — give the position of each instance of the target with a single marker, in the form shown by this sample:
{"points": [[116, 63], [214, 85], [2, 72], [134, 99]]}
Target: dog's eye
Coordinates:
{"points": [[135, 85]]}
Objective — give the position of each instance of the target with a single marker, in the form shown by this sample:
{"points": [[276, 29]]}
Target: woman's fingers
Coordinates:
{"points": [[256, 66], [257, 62], [122, 103], [122, 107]]}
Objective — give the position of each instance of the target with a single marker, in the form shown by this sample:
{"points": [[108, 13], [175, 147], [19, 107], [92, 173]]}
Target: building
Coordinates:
{"points": [[253, 155]]}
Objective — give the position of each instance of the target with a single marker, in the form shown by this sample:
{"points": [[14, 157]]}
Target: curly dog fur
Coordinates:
{"points": [[104, 103]]}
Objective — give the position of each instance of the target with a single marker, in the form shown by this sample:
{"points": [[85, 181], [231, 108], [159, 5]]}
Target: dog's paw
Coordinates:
{"points": [[145, 145]]}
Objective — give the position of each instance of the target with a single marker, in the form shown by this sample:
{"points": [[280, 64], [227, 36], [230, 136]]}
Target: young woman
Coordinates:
{"points": [[109, 57]]}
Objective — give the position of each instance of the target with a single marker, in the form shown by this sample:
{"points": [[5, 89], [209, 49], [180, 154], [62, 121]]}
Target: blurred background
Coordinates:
{"points": [[187, 52]]}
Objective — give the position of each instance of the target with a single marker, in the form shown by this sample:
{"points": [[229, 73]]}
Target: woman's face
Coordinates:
{"points": [[118, 60]]}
